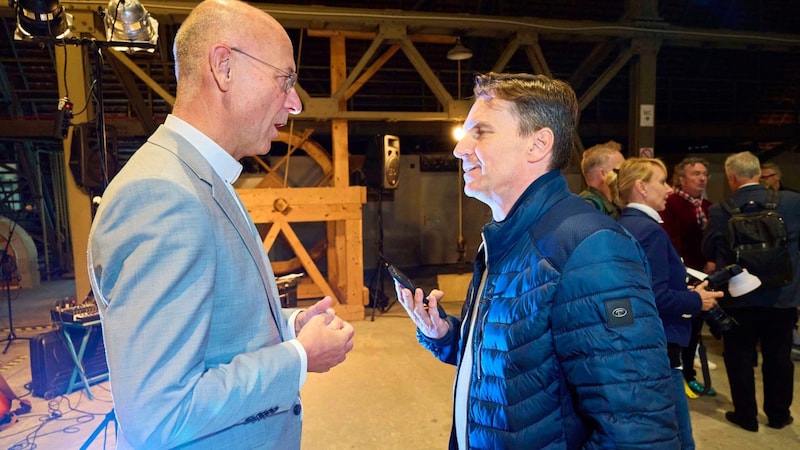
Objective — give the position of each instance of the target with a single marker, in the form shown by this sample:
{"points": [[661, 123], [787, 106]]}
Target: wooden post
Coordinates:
{"points": [[73, 77]]}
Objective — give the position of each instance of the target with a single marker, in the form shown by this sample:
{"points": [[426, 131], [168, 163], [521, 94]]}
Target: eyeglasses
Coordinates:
{"points": [[764, 177], [291, 77]]}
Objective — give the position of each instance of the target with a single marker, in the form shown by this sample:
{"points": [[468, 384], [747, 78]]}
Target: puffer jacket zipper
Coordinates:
{"points": [[483, 309], [484, 300]]}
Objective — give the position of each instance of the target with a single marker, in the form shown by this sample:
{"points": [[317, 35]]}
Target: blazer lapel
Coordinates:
{"points": [[229, 203]]}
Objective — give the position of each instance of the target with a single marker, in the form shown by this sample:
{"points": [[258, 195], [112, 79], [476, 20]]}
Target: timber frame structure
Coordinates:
{"points": [[633, 41]]}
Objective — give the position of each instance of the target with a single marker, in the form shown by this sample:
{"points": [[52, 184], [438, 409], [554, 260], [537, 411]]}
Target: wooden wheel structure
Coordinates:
{"points": [[277, 175], [286, 203], [275, 172]]}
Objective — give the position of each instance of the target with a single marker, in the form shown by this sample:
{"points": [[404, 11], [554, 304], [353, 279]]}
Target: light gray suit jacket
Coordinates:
{"points": [[194, 333]]}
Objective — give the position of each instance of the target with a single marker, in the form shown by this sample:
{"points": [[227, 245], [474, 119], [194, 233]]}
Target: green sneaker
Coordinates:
{"points": [[699, 389]]}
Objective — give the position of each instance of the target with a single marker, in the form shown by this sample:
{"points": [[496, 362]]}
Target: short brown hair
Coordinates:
{"points": [[541, 102]]}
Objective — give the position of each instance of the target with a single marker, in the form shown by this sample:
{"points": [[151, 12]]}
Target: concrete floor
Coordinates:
{"points": [[389, 394]]}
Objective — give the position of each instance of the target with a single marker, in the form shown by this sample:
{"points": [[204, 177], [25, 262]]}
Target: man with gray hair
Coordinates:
{"points": [[767, 315], [685, 217], [597, 162]]}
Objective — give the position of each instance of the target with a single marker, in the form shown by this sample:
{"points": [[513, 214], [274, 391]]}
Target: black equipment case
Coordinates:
{"points": [[52, 364]]}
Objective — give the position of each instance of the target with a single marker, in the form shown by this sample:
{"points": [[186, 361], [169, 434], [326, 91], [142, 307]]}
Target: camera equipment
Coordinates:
{"points": [[718, 321], [739, 282]]}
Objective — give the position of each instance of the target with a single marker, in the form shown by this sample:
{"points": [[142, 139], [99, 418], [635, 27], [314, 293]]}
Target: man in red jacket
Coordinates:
{"points": [[685, 218]]}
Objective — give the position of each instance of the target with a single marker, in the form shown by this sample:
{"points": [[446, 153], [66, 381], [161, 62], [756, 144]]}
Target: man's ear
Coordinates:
{"points": [[220, 61], [733, 181], [541, 144]]}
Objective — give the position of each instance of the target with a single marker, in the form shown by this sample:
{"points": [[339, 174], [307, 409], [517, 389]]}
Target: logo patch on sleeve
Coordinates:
{"points": [[619, 312]]}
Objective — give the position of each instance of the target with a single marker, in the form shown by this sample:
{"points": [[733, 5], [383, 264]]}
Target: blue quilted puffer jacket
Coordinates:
{"points": [[557, 363]]}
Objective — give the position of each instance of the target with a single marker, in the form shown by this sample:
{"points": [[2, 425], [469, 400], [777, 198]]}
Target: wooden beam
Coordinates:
{"points": [[143, 113], [303, 204], [375, 67], [149, 81], [340, 208], [344, 85], [625, 55], [369, 35], [508, 53], [73, 77], [337, 269], [537, 59], [308, 263], [599, 53], [419, 63]]}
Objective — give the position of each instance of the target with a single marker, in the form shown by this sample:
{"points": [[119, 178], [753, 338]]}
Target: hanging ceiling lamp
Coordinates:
{"points": [[459, 52]]}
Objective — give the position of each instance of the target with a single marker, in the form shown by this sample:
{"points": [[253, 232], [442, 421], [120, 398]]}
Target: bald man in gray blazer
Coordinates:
{"points": [[200, 352]]}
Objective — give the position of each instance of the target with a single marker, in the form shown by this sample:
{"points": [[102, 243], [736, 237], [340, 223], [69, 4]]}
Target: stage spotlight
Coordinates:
{"points": [[129, 21], [40, 19]]}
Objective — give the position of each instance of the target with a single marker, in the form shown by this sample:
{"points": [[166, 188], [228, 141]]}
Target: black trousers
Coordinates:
{"points": [[688, 352], [772, 328]]}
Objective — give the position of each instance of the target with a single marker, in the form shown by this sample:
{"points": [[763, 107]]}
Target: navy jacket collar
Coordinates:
{"points": [[537, 199]]}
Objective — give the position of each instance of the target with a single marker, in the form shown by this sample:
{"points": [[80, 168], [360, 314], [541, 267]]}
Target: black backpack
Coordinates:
{"points": [[758, 240]]}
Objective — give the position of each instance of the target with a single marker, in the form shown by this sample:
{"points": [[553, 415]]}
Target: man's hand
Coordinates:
{"points": [[326, 338], [709, 298], [322, 307], [424, 311]]}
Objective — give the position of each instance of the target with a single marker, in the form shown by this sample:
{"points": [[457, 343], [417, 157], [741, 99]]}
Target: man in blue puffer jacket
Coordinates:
{"points": [[559, 344]]}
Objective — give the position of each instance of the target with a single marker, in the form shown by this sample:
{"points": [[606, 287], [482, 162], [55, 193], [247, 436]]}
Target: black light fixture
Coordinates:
{"points": [[41, 19], [127, 21]]}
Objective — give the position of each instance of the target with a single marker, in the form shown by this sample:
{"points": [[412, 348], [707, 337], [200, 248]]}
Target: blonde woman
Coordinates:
{"points": [[640, 187]]}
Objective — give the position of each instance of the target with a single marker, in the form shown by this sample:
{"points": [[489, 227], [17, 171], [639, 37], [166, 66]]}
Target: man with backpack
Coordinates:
{"points": [[754, 229]]}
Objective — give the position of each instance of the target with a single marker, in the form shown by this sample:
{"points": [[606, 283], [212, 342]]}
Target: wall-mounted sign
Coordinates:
{"points": [[647, 115]]}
